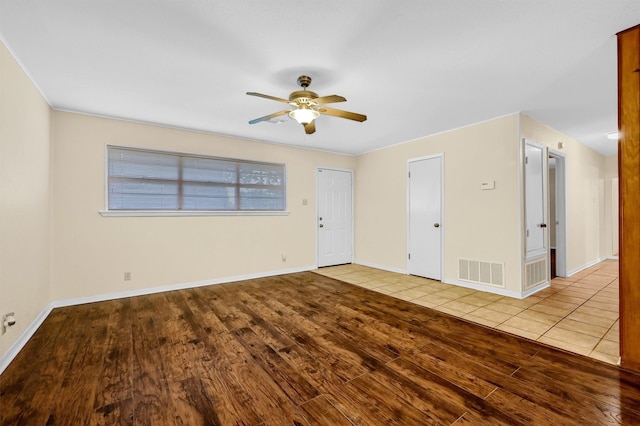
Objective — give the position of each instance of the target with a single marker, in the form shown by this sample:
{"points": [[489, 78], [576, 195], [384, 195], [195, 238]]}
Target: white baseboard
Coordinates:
{"points": [[585, 266], [382, 267], [534, 290], [489, 289], [172, 287], [22, 340]]}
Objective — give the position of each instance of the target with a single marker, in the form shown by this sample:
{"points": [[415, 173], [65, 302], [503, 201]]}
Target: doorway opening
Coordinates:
{"points": [[557, 214]]}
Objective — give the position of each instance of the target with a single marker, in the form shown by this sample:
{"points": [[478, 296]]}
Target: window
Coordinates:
{"points": [[145, 180]]}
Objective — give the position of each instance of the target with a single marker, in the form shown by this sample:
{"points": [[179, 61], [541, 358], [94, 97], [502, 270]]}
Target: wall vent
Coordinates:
{"points": [[479, 272], [535, 273]]}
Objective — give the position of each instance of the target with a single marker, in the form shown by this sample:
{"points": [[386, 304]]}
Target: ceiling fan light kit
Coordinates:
{"points": [[306, 106], [304, 114]]}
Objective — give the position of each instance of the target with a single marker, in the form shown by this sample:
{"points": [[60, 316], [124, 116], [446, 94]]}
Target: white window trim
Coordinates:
{"points": [[177, 213], [173, 213]]}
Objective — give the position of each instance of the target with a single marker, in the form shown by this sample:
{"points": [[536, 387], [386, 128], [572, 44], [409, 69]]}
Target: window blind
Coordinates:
{"points": [[141, 179]]}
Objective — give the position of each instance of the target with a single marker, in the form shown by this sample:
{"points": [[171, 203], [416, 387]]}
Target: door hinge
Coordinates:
{"points": [[526, 160], [527, 232], [409, 174], [409, 256]]}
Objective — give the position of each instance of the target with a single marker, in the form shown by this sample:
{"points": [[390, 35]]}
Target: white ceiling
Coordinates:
{"points": [[414, 67]]}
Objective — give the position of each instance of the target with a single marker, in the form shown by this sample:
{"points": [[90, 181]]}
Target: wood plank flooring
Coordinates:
{"points": [[299, 349]]}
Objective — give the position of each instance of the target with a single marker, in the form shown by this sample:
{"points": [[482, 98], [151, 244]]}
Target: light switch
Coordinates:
{"points": [[490, 184]]}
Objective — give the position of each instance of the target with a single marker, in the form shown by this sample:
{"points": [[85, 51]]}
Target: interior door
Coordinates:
{"points": [[335, 217], [425, 218], [560, 213], [534, 200]]}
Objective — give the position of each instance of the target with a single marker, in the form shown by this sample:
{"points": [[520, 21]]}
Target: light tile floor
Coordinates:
{"points": [[578, 314]]}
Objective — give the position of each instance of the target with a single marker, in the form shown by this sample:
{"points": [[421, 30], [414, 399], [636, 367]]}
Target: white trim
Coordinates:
{"points": [[585, 266], [426, 157], [488, 289], [172, 287], [613, 257], [177, 213], [194, 130], [534, 290], [523, 225], [14, 349], [22, 340], [383, 267], [545, 190], [442, 132]]}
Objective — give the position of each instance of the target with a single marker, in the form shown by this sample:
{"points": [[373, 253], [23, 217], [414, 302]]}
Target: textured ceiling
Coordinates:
{"points": [[415, 68]]}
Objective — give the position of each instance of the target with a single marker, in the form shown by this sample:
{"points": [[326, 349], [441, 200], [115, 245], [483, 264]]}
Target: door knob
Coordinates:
{"points": [[543, 225], [436, 225], [321, 226]]}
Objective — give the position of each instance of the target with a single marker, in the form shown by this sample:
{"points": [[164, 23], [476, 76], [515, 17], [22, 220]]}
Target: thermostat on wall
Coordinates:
{"points": [[490, 184]]}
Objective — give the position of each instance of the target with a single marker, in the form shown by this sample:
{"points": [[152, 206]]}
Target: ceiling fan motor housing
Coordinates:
{"points": [[302, 96]]}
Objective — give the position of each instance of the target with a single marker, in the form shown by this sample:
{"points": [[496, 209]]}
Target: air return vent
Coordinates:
{"points": [[479, 272], [535, 273]]}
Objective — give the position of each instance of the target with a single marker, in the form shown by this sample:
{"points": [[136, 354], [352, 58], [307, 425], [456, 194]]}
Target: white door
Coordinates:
{"points": [[425, 218], [560, 212], [335, 217], [534, 200]]}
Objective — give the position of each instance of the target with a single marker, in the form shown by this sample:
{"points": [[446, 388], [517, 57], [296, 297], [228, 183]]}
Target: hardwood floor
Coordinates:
{"points": [[299, 349]]}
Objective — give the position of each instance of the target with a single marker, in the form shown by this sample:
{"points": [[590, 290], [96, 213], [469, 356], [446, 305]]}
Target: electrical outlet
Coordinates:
{"points": [[8, 320], [284, 257], [127, 276]]}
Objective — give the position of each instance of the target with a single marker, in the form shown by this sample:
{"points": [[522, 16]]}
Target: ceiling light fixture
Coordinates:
{"points": [[614, 136], [305, 106], [304, 114]]}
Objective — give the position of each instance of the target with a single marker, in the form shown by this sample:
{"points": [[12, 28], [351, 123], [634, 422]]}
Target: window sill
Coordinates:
{"points": [[177, 213]]}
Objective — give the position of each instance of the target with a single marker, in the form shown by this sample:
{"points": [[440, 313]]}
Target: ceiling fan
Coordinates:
{"points": [[307, 106]]}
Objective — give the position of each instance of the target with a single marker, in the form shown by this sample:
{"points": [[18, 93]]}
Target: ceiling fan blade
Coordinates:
{"points": [[273, 98], [310, 128], [342, 114], [270, 116], [329, 99]]}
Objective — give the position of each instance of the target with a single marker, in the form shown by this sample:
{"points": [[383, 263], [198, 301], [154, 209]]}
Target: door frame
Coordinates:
{"points": [[442, 210], [561, 210], [317, 244], [544, 200]]}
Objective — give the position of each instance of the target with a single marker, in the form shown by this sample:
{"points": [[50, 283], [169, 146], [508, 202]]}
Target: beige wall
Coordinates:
{"points": [[588, 222], [24, 199], [478, 225], [91, 252]]}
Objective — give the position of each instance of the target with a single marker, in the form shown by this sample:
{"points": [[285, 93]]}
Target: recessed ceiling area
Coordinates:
{"points": [[415, 68]]}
